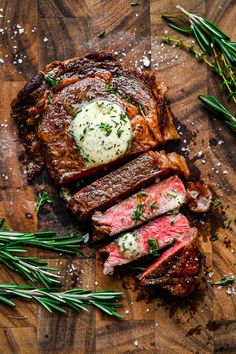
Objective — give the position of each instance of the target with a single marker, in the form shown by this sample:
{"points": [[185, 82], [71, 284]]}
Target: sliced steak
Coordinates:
{"points": [[152, 201], [46, 106], [178, 269], [199, 197], [133, 245], [118, 184]]}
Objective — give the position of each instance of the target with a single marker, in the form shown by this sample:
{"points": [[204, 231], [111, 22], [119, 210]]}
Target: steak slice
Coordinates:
{"points": [[199, 197], [135, 244], [46, 106], [118, 184], [152, 201], [178, 269]]}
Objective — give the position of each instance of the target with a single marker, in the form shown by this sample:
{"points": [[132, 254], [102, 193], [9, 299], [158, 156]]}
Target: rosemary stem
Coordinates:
{"points": [[183, 10], [229, 70], [225, 81], [188, 47]]}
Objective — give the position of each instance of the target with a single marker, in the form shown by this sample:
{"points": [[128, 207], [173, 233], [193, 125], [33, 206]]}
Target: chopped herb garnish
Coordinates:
{"points": [[140, 269], [141, 194], [123, 116], [138, 213], [78, 111], [49, 99], [141, 110], [86, 158], [106, 128], [134, 3], [101, 34], [52, 80], [87, 129], [173, 194], [153, 205], [216, 203], [119, 132], [228, 223], [225, 281], [173, 242], [111, 89], [37, 116], [129, 99], [153, 247], [116, 123], [42, 198]]}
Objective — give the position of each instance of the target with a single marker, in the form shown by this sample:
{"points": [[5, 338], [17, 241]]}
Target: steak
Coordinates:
{"points": [[118, 184], [46, 106], [150, 202], [199, 197], [136, 244], [178, 269]]}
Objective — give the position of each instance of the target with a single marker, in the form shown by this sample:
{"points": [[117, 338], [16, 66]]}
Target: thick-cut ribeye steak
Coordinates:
{"points": [[135, 244], [118, 184], [150, 202], [178, 269], [46, 106]]}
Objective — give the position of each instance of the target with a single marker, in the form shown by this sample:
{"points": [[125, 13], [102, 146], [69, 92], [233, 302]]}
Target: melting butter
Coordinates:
{"points": [[129, 245], [102, 132]]}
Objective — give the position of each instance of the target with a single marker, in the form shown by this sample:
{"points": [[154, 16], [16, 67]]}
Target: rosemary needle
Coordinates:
{"points": [[106, 300]]}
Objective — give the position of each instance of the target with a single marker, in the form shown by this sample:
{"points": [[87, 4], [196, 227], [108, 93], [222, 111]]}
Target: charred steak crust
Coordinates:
{"points": [[178, 271], [118, 184], [43, 111]]}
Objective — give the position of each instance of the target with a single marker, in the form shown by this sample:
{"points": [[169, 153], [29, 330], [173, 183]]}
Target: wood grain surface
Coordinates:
{"points": [[60, 29]]}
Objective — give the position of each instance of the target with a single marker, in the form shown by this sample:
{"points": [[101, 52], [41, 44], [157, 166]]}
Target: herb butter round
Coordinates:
{"points": [[102, 132], [129, 245]]}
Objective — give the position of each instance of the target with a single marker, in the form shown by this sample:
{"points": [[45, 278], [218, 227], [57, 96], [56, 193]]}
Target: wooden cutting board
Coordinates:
{"points": [[56, 30]]}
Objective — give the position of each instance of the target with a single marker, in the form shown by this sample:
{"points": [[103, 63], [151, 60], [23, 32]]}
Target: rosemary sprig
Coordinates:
{"points": [[181, 43], [30, 268], [106, 300], [214, 105], [45, 239], [42, 199], [218, 52]]}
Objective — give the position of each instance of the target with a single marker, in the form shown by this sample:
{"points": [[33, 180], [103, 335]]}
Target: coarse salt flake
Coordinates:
{"points": [[146, 62]]}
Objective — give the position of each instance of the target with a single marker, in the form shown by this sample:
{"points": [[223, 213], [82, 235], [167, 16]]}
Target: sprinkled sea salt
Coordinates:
{"points": [[45, 39], [199, 154], [146, 62]]}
